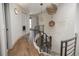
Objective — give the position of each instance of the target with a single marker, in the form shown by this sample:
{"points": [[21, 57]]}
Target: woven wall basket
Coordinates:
{"points": [[51, 23]]}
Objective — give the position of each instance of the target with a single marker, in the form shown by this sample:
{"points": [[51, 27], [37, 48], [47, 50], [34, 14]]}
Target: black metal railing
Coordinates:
{"points": [[68, 49], [46, 41]]}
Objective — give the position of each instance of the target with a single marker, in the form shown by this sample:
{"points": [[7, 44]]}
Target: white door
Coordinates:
{"points": [[3, 48]]}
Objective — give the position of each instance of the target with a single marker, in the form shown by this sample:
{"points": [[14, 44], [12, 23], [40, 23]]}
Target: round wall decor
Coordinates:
{"points": [[51, 23]]}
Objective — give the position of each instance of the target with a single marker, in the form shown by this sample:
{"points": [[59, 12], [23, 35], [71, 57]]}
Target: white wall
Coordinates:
{"points": [[34, 22], [16, 22], [64, 24], [77, 28], [63, 29]]}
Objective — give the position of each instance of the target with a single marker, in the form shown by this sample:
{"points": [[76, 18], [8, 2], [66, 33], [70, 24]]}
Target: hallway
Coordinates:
{"points": [[52, 22]]}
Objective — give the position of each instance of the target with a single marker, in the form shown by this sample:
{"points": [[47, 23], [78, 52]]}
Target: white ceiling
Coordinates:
{"points": [[34, 8]]}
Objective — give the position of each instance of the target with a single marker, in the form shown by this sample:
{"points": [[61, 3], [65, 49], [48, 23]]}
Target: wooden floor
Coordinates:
{"points": [[23, 48]]}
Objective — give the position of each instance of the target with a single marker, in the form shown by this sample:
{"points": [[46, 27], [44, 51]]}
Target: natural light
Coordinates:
{"points": [[30, 22]]}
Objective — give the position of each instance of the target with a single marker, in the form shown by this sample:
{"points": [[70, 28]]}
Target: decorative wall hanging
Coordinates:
{"points": [[51, 23], [51, 9]]}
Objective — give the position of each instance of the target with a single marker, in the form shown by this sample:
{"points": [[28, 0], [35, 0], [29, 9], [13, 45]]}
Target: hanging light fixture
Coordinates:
{"points": [[51, 9]]}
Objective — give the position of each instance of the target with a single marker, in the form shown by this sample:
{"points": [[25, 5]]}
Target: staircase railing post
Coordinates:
{"points": [[61, 50]]}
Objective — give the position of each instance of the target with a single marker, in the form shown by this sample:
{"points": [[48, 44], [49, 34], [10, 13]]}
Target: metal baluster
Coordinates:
{"points": [[61, 53], [75, 44], [66, 48]]}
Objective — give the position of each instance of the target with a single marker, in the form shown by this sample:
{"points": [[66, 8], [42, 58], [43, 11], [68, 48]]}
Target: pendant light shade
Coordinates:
{"points": [[51, 9]]}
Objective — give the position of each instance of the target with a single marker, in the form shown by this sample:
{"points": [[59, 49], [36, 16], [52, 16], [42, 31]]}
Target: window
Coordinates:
{"points": [[30, 22]]}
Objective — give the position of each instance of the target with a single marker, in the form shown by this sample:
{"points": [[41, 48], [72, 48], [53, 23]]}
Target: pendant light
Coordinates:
{"points": [[51, 9]]}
